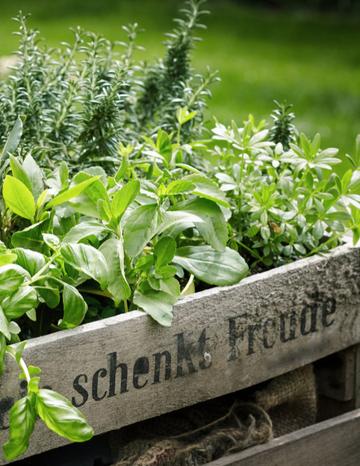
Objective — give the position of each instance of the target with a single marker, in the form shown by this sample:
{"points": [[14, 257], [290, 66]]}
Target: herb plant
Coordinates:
{"points": [[114, 197]]}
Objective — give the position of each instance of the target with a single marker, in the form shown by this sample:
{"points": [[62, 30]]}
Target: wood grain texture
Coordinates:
{"points": [[335, 442], [127, 368]]}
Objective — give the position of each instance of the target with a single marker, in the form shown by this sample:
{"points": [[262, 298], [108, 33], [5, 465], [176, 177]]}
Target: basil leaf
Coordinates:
{"points": [[157, 304], [62, 417], [22, 422], [124, 197], [19, 172], [21, 302], [31, 261], [140, 226], [2, 354], [212, 225], [4, 325], [164, 251], [88, 260], [75, 307], [31, 237], [85, 230], [70, 193], [34, 174], [212, 267], [113, 251], [12, 277], [19, 198]]}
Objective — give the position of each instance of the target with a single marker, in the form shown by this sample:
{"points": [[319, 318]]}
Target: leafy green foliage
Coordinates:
{"points": [[286, 203], [80, 101]]}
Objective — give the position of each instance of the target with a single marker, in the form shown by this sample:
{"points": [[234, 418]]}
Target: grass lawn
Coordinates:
{"points": [[311, 61]]}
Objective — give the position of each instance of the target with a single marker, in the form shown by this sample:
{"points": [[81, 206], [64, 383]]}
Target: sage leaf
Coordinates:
{"points": [[22, 422], [60, 416], [210, 266]]}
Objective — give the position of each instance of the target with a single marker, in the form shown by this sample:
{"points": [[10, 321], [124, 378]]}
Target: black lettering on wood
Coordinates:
{"points": [[308, 319], [252, 331], [183, 354], [167, 366], [235, 333], [77, 385], [328, 310], [95, 384], [269, 328], [291, 319], [113, 368], [141, 367]]}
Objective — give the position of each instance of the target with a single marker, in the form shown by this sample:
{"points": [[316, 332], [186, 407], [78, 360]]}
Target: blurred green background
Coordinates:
{"points": [[307, 57]]}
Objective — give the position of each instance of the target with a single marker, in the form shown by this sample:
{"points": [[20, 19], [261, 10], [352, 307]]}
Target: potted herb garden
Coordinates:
{"points": [[128, 227]]}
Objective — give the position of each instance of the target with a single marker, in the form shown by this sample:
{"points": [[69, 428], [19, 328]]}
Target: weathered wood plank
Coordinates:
{"points": [[332, 443], [125, 369]]}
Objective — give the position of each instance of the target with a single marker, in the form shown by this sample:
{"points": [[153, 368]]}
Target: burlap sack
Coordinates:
{"points": [[198, 435]]}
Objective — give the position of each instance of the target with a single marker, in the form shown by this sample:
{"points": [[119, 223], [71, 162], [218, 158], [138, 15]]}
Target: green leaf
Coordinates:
{"points": [[87, 260], [157, 304], [113, 251], [210, 266], [85, 230], [164, 251], [19, 198], [163, 145], [70, 193], [31, 237], [183, 115], [32, 261], [4, 325], [12, 277], [22, 422], [2, 354], [34, 174], [207, 189], [180, 187], [13, 140], [212, 225], [62, 417], [19, 172], [21, 302], [75, 307], [124, 197], [140, 227]]}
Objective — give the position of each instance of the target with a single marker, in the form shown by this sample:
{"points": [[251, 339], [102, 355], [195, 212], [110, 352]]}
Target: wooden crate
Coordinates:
{"points": [[335, 442], [127, 368]]}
